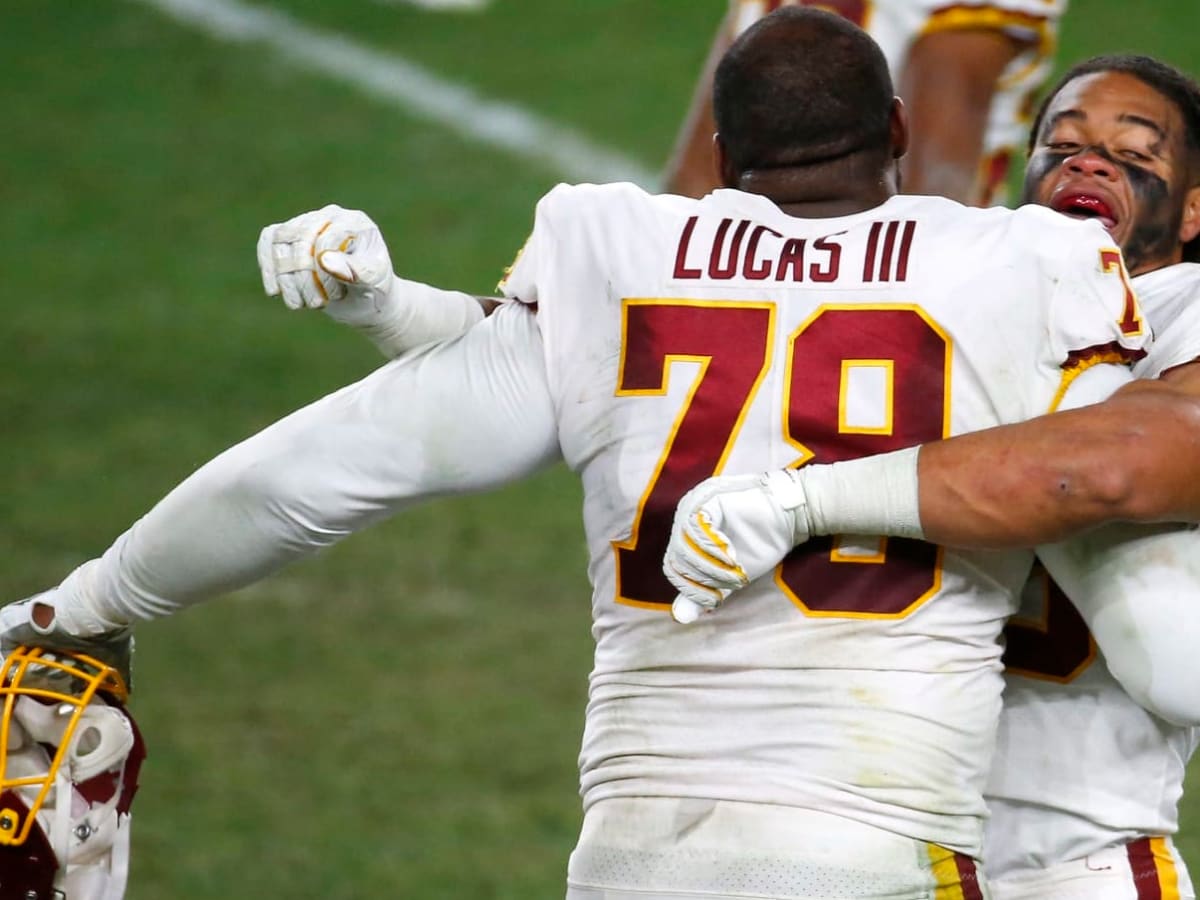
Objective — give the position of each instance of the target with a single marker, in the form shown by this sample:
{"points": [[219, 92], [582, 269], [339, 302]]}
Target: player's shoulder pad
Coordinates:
{"points": [[1168, 296], [1058, 239], [564, 196], [617, 210], [1044, 220], [1181, 276], [575, 216]]}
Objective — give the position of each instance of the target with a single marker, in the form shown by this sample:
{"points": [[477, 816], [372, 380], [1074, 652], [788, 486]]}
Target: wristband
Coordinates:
{"points": [[871, 495]]}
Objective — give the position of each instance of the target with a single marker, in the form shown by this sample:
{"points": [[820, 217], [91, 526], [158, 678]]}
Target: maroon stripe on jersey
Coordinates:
{"points": [[872, 243], [1110, 352], [889, 246], [905, 246], [1145, 872], [968, 877]]}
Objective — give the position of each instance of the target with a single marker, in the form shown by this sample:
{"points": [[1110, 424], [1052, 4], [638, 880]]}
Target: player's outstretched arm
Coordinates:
{"points": [[408, 432], [336, 259], [1134, 457]]}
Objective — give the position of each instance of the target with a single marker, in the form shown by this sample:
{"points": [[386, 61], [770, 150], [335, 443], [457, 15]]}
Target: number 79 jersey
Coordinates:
{"points": [[686, 338]]}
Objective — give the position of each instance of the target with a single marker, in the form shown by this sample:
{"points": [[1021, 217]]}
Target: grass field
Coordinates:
{"points": [[401, 716]]}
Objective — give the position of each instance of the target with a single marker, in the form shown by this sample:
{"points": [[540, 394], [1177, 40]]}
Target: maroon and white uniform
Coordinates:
{"points": [[684, 338], [1085, 786], [830, 733]]}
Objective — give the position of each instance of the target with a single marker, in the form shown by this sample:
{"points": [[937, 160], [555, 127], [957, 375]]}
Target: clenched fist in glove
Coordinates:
{"points": [[336, 259], [728, 531], [293, 256], [731, 529]]}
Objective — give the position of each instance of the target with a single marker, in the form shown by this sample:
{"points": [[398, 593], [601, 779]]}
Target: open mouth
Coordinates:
{"points": [[1085, 206]]}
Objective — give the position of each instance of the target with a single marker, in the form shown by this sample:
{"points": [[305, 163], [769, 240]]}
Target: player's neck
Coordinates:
{"points": [[1140, 266], [821, 191]]}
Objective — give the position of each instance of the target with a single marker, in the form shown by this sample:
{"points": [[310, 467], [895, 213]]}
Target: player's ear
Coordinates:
{"points": [[898, 128], [727, 173], [1189, 227]]}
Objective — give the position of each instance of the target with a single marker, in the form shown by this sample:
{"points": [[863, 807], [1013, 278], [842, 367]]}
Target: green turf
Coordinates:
{"points": [[399, 717]]}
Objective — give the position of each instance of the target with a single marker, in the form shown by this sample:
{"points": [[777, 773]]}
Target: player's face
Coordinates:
{"points": [[1112, 148]]}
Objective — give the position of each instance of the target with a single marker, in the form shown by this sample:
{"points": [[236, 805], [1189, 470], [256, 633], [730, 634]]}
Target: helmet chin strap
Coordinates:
{"points": [[60, 831]]}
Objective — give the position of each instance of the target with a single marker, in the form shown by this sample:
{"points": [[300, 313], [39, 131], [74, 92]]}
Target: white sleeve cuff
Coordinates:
{"points": [[419, 315]]}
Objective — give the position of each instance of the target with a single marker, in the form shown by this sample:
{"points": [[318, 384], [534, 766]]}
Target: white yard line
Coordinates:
{"points": [[407, 86], [440, 5]]}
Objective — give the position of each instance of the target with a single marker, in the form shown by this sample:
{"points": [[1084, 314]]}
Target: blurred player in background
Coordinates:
{"points": [[968, 73], [1085, 787], [835, 740]]}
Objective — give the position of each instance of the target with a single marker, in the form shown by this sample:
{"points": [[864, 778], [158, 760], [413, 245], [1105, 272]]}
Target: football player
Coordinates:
{"points": [[832, 737], [1085, 787], [967, 71]]}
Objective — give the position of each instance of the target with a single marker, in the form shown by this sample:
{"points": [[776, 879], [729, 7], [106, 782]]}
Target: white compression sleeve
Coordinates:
{"points": [[1138, 589], [417, 314], [410, 431], [871, 495]]}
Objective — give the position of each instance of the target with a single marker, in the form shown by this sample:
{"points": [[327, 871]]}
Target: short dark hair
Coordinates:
{"points": [[1172, 83], [801, 86]]}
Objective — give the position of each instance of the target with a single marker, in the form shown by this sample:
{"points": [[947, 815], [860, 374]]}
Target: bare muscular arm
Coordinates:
{"points": [[691, 171], [947, 85], [1134, 457]]}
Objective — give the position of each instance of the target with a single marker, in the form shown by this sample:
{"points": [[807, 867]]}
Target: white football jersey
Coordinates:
{"points": [[1170, 298], [897, 24], [685, 338], [1079, 765]]}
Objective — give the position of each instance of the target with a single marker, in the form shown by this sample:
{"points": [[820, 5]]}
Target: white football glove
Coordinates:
{"points": [[730, 530], [111, 645], [333, 259], [336, 259]]}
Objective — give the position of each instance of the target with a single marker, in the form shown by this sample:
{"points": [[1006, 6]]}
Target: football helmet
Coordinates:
{"points": [[69, 760]]}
